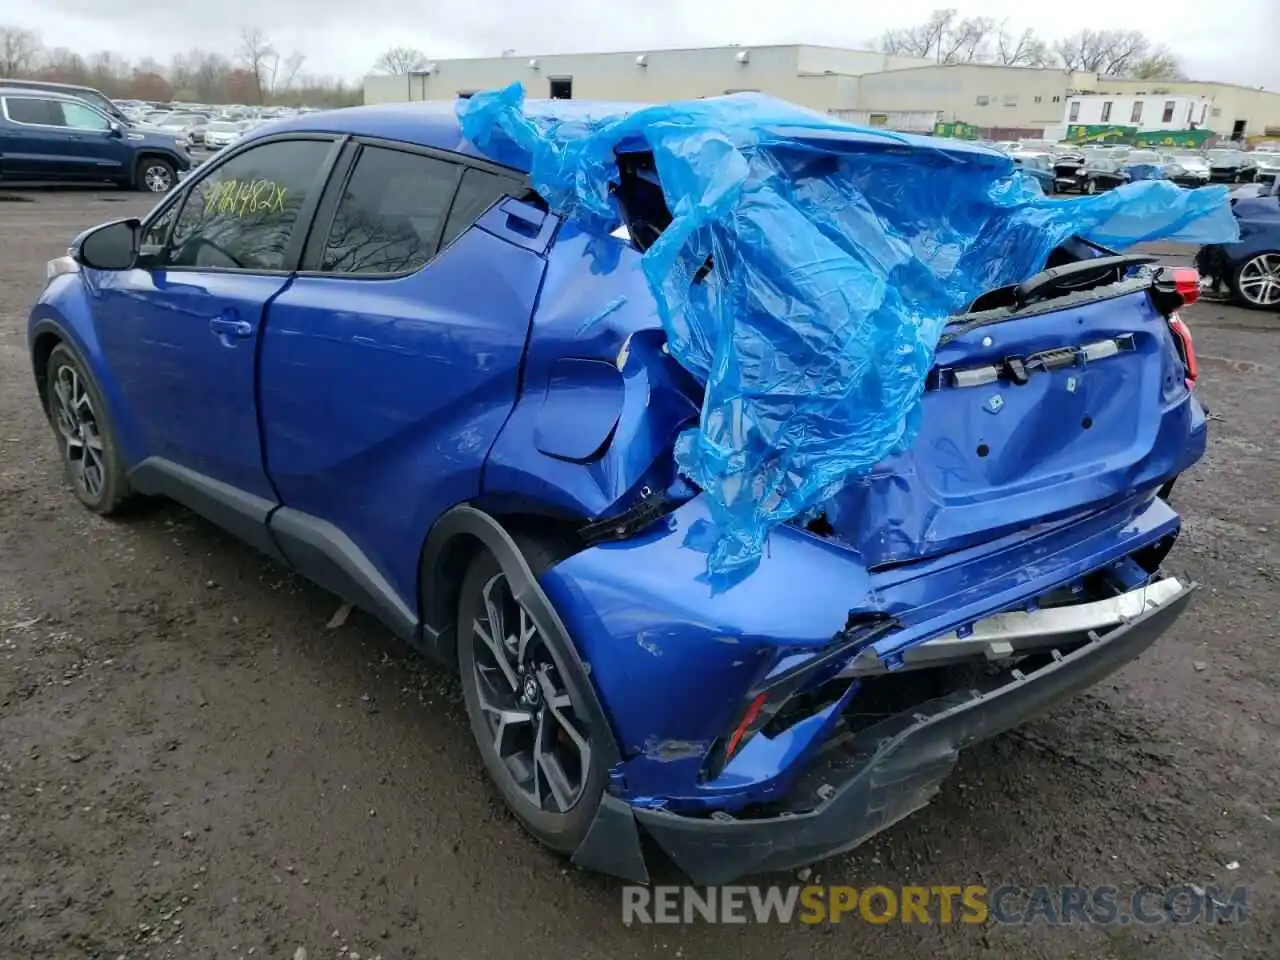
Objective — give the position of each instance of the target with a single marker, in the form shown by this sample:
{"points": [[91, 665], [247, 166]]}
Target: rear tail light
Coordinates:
{"points": [[798, 683], [1186, 349], [1175, 287]]}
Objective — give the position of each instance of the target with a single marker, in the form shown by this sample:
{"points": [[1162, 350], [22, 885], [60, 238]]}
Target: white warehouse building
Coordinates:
{"points": [[876, 89], [1146, 111]]}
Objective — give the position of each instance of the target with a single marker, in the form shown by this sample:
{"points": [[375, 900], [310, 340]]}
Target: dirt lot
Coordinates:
{"points": [[192, 765]]}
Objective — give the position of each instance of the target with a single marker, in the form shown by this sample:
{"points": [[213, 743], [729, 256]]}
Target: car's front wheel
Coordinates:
{"points": [[1090, 187], [86, 441], [533, 737], [1256, 282], [155, 175]]}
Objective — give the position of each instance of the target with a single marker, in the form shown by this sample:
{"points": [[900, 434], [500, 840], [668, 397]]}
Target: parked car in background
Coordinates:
{"points": [[222, 133], [186, 126], [1229, 165], [1188, 168], [47, 136], [1249, 269], [1089, 172], [1038, 167], [1145, 165], [1267, 165], [544, 553], [95, 98]]}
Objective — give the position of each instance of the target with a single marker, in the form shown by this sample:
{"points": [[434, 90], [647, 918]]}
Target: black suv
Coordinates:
{"points": [[46, 136]]}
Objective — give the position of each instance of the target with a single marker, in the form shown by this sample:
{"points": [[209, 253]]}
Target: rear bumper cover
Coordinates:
{"points": [[900, 765]]}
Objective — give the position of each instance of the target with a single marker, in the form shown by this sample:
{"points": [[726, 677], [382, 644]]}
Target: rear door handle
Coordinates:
{"points": [[227, 330]]}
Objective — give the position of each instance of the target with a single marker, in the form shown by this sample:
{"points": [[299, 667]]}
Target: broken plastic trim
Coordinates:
{"points": [[765, 699]]}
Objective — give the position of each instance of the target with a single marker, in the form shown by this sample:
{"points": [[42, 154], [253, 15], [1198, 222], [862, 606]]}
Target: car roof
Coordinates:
{"points": [[48, 86], [6, 89], [423, 123]]}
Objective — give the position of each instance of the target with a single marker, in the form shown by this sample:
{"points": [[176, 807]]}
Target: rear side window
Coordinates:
{"points": [[391, 215], [31, 110], [243, 215], [478, 191]]}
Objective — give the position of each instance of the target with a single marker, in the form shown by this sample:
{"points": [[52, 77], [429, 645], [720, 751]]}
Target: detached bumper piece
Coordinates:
{"points": [[864, 782]]}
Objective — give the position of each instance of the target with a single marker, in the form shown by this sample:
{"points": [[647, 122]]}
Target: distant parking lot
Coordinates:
{"points": [[193, 765]]}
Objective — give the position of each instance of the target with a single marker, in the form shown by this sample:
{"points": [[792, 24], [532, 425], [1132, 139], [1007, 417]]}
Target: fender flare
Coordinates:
{"points": [[612, 842]]}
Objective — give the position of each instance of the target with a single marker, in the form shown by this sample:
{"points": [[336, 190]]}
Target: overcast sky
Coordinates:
{"points": [[1230, 40]]}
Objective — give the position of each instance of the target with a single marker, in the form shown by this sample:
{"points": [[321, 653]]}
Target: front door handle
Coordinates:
{"points": [[227, 330]]}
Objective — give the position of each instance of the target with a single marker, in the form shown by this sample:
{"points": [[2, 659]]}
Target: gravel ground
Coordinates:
{"points": [[192, 765]]}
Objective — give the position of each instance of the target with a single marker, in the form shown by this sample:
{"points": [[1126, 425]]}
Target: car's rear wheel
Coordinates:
{"points": [[155, 175], [1256, 283], [86, 440], [533, 737]]}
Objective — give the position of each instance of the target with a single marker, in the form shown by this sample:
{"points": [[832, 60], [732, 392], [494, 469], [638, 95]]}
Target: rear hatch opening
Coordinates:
{"points": [[1048, 397]]}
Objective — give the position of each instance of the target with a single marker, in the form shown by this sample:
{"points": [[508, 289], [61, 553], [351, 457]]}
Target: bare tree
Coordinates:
{"points": [[967, 41], [400, 60], [284, 72], [259, 57], [1023, 49], [271, 73], [1160, 63], [19, 51], [945, 37], [1108, 52]]}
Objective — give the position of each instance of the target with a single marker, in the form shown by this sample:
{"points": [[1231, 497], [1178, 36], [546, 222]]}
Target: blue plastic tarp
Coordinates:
{"points": [[838, 253]]}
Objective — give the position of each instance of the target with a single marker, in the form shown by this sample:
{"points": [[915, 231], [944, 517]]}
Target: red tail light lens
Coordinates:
{"points": [[1186, 283], [1186, 349], [1175, 287], [748, 718]]}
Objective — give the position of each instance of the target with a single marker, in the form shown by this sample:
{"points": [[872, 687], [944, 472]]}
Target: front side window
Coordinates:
{"points": [[81, 116], [244, 213], [392, 214], [32, 110]]}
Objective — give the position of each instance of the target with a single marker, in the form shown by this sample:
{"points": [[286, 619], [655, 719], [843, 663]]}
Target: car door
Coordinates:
{"points": [[94, 147], [36, 148], [390, 364], [180, 331]]}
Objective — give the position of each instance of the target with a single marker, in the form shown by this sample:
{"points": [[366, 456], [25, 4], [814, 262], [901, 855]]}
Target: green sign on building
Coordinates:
{"points": [[956, 129]]}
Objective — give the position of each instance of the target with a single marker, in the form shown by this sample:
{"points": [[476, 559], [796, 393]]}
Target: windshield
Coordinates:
{"points": [[225, 126], [1143, 156], [1229, 156]]}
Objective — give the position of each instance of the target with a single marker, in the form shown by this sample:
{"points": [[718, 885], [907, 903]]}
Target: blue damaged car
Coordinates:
{"points": [[363, 346]]}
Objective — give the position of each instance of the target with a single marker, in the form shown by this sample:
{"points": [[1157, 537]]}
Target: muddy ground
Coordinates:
{"points": [[192, 765]]}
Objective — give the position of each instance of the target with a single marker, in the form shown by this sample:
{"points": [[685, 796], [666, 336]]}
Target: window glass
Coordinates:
{"points": [[82, 117], [29, 110], [244, 213], [476, 194], [392, 213]]}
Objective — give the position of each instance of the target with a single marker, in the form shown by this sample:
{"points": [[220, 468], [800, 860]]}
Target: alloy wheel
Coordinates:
{"points": [[1260, 280], [157, 178], [535, 730], [77, 425]]}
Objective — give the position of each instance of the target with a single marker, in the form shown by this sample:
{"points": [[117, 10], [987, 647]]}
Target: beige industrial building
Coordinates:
{"points": [[864, 86]]}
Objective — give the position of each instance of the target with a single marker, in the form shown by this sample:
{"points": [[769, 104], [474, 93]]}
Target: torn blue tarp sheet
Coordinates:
{"points": [[838, 254]]}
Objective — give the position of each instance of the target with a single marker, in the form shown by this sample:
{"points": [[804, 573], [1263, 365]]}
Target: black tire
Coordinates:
{"points": [[1237, 291], [562, 832], [1090, 187], [97, 475], [155, 175]]}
